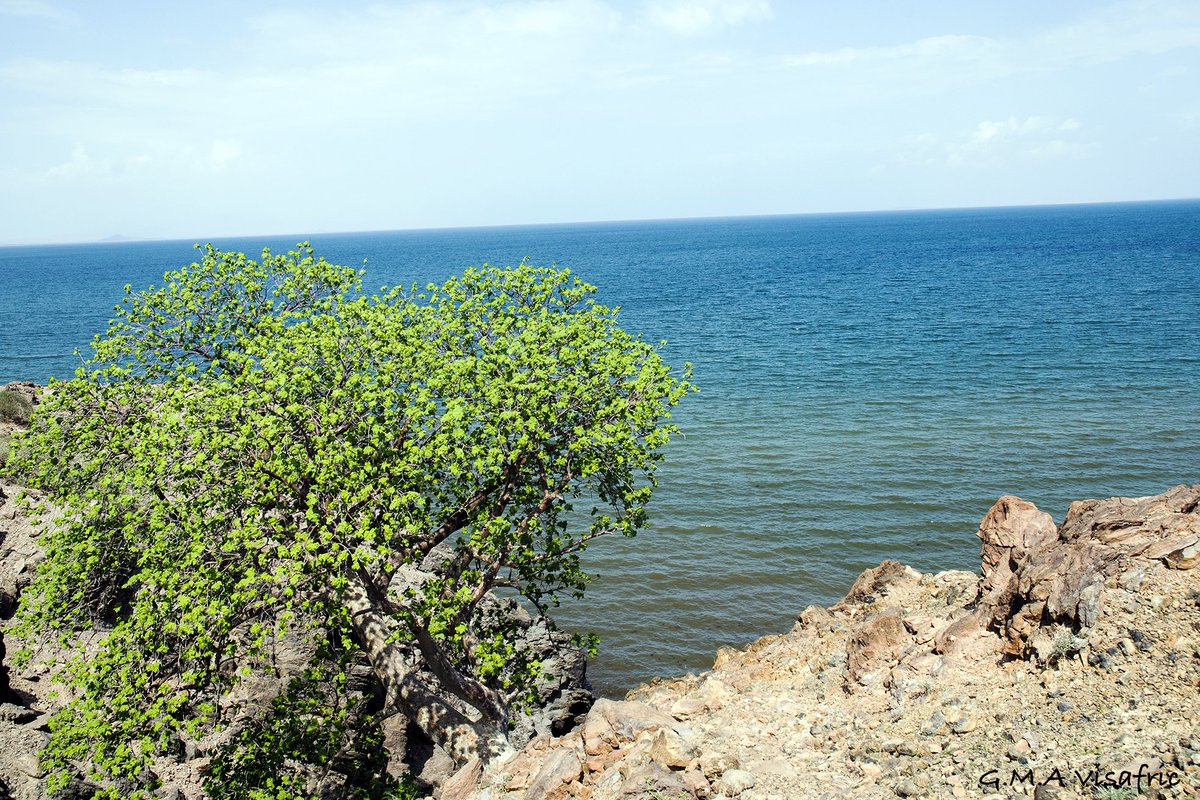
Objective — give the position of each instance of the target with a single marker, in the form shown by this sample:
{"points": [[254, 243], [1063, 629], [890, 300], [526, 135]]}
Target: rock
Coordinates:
{"points": [[1046, 791], [875, 582], [1179, 553], [715, 763], [671, 749], [688, 707], [959, 721], [436, 769], [735, 781], [816, 618], [652, 780], [909, 788], [774, 766], [695, 783], [611, 722], [560, 768], [28, 764], [395, 742], [876, 644], [1020, 751], [1010, 531], [462, 783], [17, 714]]}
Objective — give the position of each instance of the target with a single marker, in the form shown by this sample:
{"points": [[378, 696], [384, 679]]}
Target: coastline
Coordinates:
{"points": [[1069, 665]]}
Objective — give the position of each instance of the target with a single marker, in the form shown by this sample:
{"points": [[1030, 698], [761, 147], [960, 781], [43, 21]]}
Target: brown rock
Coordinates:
{"points": [[395, 742], [688, 707], [1010, 531], [462, 783], [560, 768], [736, 781], [876, 644], [878, 581], [1061, 579], [611, 722], [651, 779], [696, 783], [715, 763], [672, 749]]}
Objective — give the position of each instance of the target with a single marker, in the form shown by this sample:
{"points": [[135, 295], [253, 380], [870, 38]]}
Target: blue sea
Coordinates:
{"points": [[870, 384]]}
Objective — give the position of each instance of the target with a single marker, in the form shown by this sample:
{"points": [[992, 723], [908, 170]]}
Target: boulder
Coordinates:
{"points": [[876, 582], [1037, 575], [876, 644], [611, 723], [560, 768]]}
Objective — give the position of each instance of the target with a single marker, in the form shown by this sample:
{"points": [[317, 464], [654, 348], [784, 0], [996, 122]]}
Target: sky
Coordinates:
{"points": [[243, 118]]}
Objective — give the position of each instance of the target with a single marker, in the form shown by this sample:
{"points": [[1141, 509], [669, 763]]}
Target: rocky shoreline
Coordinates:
{"points": [[1068, 667]]}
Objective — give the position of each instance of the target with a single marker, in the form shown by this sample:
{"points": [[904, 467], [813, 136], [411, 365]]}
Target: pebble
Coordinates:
{"points": [[1021, 751], [735, 781]]}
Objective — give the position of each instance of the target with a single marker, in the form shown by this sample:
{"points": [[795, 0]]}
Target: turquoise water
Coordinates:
{"points": [[870, 383]]}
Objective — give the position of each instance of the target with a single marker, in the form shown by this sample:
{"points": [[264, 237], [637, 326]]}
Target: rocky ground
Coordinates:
{"points": [[1068, 668]]}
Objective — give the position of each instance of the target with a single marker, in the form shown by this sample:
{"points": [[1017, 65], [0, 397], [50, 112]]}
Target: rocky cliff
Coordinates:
{"points": [[1069, 667]]}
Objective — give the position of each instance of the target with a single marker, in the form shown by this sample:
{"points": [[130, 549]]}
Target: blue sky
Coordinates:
{"points": [[147, 119]]}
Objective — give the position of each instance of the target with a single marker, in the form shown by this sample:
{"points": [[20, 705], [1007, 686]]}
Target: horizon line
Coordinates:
{"points": [[118, 239]]}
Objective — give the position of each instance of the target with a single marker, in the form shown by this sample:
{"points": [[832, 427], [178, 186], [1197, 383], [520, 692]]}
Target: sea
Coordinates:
{"points": [[870, 384]]}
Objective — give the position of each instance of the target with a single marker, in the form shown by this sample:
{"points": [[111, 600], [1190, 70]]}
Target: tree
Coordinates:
{"points": [[260, 447]]}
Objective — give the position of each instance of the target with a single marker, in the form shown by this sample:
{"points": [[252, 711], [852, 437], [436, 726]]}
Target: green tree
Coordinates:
{"points": [[261, 447]]}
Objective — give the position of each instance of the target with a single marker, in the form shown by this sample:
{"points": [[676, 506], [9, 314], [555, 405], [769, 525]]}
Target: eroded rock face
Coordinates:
{"points": [[1163, 527], [1036, 575], [875, 644]]}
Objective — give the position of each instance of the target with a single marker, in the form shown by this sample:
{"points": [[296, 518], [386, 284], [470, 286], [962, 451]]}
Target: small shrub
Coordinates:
{"points": [[1115, 793], [14, 407], [1064, 644]]}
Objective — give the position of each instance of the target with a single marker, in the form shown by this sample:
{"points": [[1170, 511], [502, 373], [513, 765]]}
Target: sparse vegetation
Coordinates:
{"points": [[14, 407]]}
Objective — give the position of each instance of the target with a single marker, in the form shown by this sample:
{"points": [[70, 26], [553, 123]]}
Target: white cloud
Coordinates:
{"points": [[928, 48], [1002, 141], [38, 9], [1108, 34], [78, 165], [1060, 149], [694, 17]]}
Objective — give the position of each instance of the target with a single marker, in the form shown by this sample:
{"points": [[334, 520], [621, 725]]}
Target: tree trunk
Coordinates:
{"points": [[404, 690]]}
